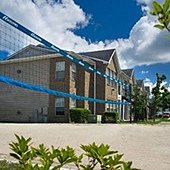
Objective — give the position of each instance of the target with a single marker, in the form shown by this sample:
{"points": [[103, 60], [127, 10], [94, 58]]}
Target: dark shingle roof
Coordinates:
{"points": [[128, 72], [139, 83], [104, 55], [147, 88]]}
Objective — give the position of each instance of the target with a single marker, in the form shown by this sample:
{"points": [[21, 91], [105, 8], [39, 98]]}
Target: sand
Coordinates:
{"points": [[147, 146]]}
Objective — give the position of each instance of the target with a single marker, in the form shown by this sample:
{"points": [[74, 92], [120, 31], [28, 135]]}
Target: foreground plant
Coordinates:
{"points": [[22, 151], [104, 157], [162, 12], [43, 158]]}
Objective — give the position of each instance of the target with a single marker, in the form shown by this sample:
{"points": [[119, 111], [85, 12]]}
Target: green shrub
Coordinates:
{"points": [[79, 115], [110, 117], [92, 118], [93, 156]]}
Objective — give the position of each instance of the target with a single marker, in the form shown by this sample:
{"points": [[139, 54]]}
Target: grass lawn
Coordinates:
{"points": [[5, 165], [165, 119], [147, 122]]}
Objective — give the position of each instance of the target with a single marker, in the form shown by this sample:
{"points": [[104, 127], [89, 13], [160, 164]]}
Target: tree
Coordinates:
{"points": [[158, 94], [165, 104], [163, 14], [139, 104]]}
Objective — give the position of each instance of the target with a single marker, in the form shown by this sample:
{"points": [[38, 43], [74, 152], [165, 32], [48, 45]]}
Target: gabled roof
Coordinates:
{"points": [[147, 88], [102, 55], [36, 52], [128, 72], [140, 83], [124, 74], [31, 50]]}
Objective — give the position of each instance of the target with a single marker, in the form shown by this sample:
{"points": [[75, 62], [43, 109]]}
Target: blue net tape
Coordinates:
{"points": [[17, 83], [64, 54], [56, 49]]}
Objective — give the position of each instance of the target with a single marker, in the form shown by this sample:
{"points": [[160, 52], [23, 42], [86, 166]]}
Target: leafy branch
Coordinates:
{"points": [[163, 14]]}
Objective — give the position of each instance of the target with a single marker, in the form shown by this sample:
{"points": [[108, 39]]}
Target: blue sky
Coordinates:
{"points": [[81, 25], [113, 20], [110, 19], [3, 54], [148, 71]]}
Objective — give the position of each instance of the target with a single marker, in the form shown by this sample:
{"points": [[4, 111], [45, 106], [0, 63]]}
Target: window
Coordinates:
{"points": [[114, 76], [107, 108], [19, 71], [60, 70], [72, 102], [59, 106], [73, 72], [110, 107], [111, 75], [108, 73], [119, 89], [115, 108], [124, 87]]}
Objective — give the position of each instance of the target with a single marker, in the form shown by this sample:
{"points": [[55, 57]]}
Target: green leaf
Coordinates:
{"points": [[157, 7], [166, 5], [15, 156], [161, 27], [153, 13]]}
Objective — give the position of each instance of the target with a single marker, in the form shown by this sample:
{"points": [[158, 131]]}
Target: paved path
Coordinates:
{"points": [[146, 145]]}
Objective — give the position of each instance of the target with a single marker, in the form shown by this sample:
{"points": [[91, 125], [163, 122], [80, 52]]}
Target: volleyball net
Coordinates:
{"points": [[38, 78]]}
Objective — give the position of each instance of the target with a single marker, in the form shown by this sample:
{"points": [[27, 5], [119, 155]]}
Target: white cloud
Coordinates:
{"points": [[148, 45], [168, 87], [165, 83], [53, 22], [144, 72], [146, 5], [56, 21], [148, 82]]}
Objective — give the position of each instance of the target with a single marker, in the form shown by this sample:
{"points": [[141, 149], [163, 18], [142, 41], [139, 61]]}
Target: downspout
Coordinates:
{"points": [[94, 90], [119, 88]]}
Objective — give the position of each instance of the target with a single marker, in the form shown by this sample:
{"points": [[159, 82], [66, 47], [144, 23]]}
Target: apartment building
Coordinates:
{"points": [[107, 62], [41, 66], [127, 76], [140, 84]]}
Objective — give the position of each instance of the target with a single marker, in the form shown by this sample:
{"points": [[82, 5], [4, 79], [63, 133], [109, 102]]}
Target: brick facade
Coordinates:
{"points": [[24, 105]]}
